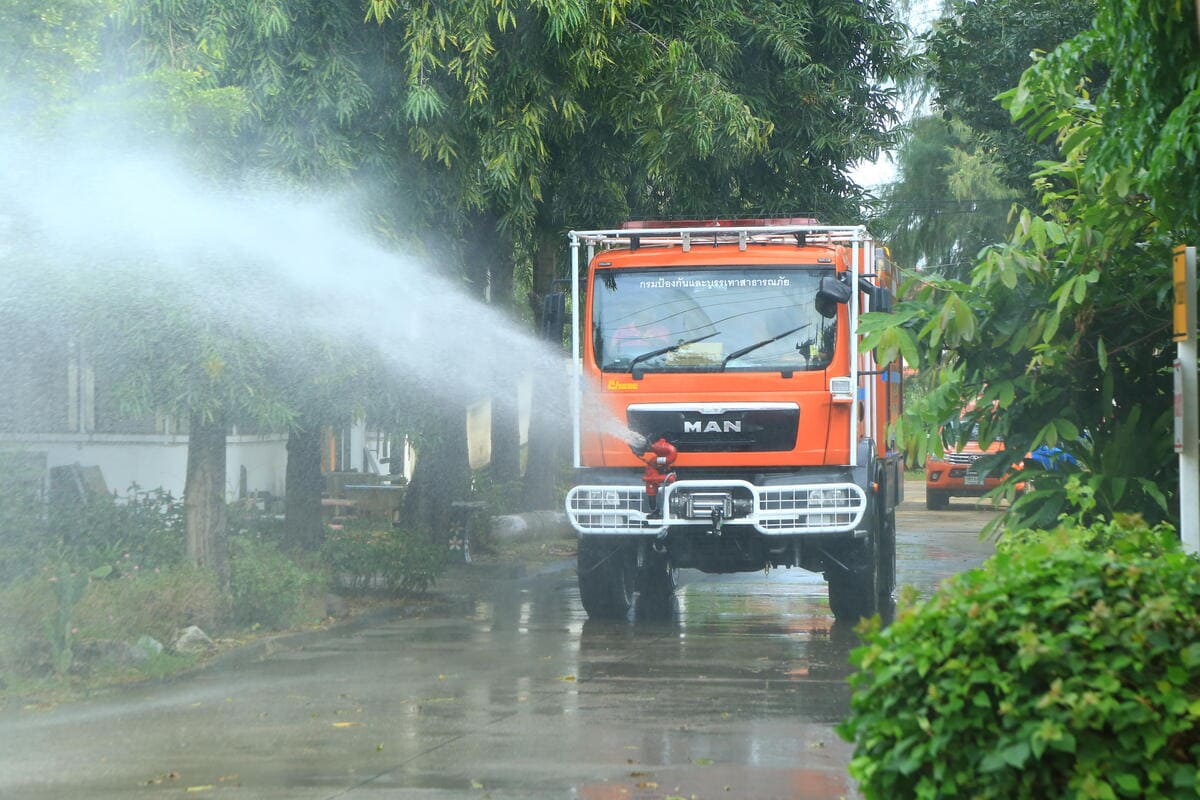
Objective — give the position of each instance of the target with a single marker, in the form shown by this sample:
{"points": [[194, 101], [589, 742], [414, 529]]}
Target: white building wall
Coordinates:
{"points": [[155, 461]]}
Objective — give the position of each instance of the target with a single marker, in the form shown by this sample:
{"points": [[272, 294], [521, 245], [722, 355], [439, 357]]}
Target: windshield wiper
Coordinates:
{"points": [[750, 348], [669, 348]]}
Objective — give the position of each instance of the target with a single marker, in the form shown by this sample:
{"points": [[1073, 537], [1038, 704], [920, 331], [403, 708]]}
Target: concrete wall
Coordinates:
{"points": [[157, 461]]}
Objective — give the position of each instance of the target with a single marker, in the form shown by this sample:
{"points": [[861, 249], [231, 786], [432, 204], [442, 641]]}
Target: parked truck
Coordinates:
{"points": [[725, 419]]}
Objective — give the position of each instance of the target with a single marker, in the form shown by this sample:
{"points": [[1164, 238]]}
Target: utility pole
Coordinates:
{"points": [[1187, 435]]}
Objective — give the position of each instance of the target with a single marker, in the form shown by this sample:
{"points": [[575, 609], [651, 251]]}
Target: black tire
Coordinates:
{"points": [[607, 570], [936, 501], [854, 582], [887, 559], [656, 588]]}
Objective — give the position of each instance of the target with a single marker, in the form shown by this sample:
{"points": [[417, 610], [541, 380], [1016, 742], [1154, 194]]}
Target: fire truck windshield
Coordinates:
{"points": [[703, 319]]}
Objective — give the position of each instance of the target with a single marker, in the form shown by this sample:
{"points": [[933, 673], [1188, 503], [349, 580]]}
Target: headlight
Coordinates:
{"points": [[826, 498]]}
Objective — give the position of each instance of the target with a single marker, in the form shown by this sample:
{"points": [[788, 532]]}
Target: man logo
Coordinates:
{"points": [[712, 426]]}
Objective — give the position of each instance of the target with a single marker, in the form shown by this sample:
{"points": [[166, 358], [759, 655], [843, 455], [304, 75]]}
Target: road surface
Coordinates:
{"points": [[510, 694]]}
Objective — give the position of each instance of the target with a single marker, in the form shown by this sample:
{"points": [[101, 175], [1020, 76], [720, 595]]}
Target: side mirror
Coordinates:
{"points": [[882, 299], [830, 293]]}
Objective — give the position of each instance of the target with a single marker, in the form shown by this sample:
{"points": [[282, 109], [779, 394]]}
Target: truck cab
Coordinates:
{"points": [[725, 419]]}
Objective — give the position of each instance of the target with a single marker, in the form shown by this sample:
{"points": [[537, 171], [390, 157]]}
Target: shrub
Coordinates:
{"points": [[27, 606], [152, 603], [267, 587], [1067, 666], [366, 557], [22, 527], [145, 527], [245, 518], [45, 618], [1146, 542]]}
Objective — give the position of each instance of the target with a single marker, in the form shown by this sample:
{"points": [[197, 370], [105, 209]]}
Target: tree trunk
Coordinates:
{"points": [[549, 443], [442, 475], [506, 440], [550, 421], [491, 248], [302, 521], [204, 494]]}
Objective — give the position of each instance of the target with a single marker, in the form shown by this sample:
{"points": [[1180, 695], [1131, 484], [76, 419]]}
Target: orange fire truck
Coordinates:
{"points": [[724, 418]]}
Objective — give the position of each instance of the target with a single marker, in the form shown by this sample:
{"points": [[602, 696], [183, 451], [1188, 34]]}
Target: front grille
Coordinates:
{"points": [[602, 509], [736, 430], [963, 458], [811, 508]]}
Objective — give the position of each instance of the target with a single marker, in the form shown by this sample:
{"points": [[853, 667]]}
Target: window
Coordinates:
{"points": [[705, 319]]}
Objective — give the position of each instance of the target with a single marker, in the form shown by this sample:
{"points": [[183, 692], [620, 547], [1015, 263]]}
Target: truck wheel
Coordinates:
{"points": [[656, 588], [936, 501], [854, 584], [887, 559], [607, 570]]}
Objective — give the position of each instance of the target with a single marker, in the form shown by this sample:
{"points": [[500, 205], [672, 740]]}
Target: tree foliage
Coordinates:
{"points": [[961, 165], [49, 51], [479, 124], [975, 51], [559, 114], [948, 201], [1062, 333]]}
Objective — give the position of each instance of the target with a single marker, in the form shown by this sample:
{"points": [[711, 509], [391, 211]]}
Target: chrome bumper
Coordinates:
{"points": [[784, 510]]}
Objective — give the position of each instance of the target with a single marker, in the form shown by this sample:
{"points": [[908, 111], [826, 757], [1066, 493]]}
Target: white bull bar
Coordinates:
{"points": [[784, 510]]}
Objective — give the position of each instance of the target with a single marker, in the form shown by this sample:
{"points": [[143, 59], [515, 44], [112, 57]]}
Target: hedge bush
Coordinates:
{"points": [[364, 556], [268, 588], [1067, 666]]}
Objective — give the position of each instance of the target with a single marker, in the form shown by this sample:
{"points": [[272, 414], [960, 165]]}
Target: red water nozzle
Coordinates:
{"points": [[658, 460]]}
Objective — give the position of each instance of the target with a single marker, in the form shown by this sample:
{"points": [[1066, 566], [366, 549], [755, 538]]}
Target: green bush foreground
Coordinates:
{"points": [[1067, 666]]}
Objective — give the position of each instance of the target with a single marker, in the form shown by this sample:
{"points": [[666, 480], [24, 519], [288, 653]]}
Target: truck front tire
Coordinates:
{"points": [[656, 588], [607, 569], [887, 560], [854, 591]]}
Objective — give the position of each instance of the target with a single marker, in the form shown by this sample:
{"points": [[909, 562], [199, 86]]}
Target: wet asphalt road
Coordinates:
{"points": [[511, 695]]}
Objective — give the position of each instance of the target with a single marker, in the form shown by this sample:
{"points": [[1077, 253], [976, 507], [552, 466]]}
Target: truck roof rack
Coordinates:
{"points": [[743, 232]]}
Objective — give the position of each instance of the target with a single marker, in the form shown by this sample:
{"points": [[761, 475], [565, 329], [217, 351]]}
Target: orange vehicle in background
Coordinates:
{"points": [[725, 419], [959, 473]]}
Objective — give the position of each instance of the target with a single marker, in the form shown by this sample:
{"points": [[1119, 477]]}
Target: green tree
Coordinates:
{"points": [[552, 116], [663, 108], [947, 202], [1063, 332], [975, 51], [961, 166], [318, 90], [49, 49]]}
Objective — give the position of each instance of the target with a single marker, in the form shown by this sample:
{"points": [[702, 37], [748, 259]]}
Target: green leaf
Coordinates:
{"points": [[1080, 290], [1190, 656], [1015, 755], [908, 348], [1122, 182], [1066, 429], [1052, 322]]}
